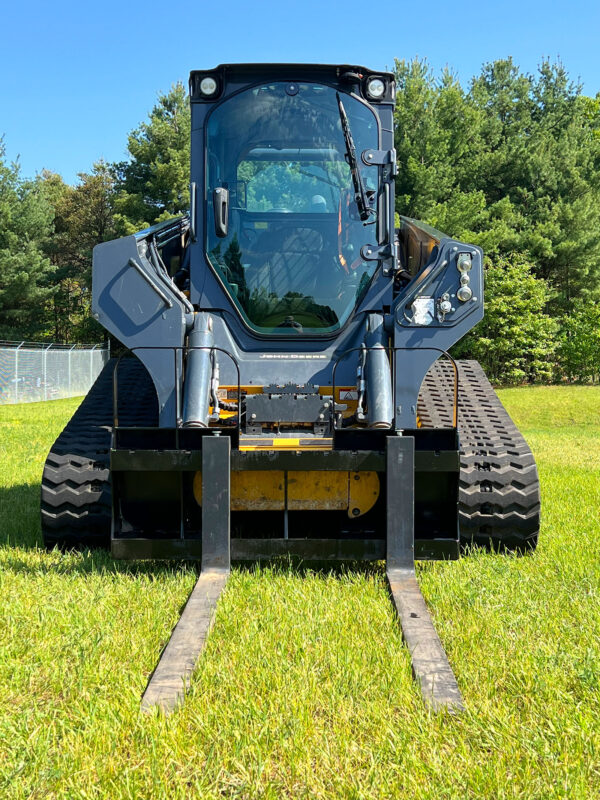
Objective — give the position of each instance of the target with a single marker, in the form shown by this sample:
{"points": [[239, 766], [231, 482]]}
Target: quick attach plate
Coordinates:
{"points": [[288, 405]]}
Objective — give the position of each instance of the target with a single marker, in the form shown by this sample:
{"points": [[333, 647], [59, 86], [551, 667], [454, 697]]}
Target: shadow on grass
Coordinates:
{"points": [[92, 562], [20, 529], [284, 565], [20, 516]]}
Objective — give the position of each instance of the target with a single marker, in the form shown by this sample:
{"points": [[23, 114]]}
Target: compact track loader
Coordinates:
{"points": [[287, 388]]}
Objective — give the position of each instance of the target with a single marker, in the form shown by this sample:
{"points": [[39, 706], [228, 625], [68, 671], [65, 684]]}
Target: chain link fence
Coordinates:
{"points": [[30, 371]]}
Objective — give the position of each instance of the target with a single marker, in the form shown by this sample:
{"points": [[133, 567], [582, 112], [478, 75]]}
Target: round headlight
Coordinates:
{"points": [[375, 88], [208, 86]]}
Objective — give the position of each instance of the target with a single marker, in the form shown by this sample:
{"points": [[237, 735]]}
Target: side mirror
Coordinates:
{"points": [[221, 211]]}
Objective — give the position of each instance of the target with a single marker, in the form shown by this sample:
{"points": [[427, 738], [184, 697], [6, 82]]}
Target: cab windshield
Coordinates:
{"points": [[291, 257]]}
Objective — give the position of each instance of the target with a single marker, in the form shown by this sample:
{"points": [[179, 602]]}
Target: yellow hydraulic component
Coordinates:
{"points": [[346, 395], [223, 414], [307, 490], [303, 490]]}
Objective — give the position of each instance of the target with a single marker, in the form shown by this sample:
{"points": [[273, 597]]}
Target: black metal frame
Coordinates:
{"points": [[338, 360], [154, 463], [174, 350], [396, 350], [216, 461], [430, 664]]}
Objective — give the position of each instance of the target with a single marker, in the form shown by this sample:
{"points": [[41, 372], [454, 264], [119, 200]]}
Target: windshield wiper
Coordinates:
{"points": [[360, 193]]}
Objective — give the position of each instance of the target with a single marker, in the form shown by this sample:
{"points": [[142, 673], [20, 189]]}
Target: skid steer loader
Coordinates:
{"points": [[287, 388]]}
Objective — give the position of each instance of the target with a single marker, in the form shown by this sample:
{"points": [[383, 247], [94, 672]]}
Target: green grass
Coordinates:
{"points": [[304, 690]]}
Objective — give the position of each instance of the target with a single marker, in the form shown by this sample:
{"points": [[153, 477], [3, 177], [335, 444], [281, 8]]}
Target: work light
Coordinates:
{"points": [[375, 88], [208, 86]]}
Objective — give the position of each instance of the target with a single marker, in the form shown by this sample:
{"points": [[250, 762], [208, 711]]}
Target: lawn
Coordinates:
{"points": [[305, 689]]}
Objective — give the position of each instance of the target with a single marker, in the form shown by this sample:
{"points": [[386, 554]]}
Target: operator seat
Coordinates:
{"points": [[296, 262]]}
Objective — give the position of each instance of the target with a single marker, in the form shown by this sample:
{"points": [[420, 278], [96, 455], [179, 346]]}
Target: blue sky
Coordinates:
{"points": [[75, 78]]}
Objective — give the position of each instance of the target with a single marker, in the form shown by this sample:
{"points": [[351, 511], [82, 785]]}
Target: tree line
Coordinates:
{"points": [[510, 162]]}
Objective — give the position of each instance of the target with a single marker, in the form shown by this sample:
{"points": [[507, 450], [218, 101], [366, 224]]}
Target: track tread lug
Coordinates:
{"points": [[499, 495], [76, 491]]}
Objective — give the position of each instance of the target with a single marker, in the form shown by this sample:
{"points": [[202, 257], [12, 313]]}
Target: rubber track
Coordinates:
{"points": [[76, 493], [499, 500]]}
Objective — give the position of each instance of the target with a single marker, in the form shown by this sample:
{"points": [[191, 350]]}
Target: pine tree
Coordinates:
{"points": [[84, 217], [154, 184], [512, 164], [26, 274]]}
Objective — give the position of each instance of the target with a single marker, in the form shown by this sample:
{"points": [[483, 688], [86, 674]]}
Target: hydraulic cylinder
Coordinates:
{"points": [[196, 388]]}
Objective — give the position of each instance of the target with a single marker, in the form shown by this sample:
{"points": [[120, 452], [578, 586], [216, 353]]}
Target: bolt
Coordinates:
{"points": [[464, 262], [355, 512], [369, 252], [321, 416], [252, 416], [370, 156], [325, 405], [357, 477]]}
